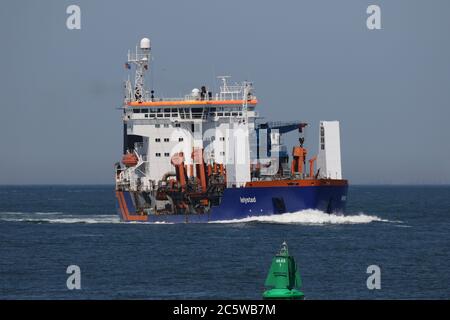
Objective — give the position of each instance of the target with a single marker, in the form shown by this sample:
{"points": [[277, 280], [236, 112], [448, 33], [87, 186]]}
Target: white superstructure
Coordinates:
{"points": [[329, 156], [156, 128]]}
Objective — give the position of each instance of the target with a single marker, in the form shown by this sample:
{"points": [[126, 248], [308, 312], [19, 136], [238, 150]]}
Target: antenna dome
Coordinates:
{"points": [[145, 43]]}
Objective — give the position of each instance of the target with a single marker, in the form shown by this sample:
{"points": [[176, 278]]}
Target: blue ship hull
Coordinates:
{"points": [[239, 203]]}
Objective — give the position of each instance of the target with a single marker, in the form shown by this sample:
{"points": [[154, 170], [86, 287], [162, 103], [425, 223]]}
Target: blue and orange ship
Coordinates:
{"points": [[210, 157]]}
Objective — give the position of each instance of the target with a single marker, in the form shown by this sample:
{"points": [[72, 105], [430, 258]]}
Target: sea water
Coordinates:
{"points": [[405, 230]]}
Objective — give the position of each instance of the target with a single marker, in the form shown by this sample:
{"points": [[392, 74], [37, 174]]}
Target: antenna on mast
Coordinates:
{"points": [[224, 87], [141, 59]]}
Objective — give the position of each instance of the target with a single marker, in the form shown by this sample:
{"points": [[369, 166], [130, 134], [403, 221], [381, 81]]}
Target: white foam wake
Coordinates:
{"points": [[305, 217], [309, 217], [61, 219], [29, 213]]}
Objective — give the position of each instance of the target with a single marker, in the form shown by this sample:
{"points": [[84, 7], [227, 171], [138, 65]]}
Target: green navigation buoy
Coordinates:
{"points": [[283, 280]]}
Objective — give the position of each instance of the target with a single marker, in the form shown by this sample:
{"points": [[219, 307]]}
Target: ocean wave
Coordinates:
{"points": [[88, 219], [48, 213], [309, 217], [14, 213], [64, 218], [304, 217]]}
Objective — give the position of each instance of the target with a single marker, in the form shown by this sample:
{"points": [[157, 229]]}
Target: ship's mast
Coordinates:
{"points": [[247, 91], [141, 59]]}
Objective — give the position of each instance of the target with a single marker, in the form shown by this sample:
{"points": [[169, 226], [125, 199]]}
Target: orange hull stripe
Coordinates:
{"points": [[124, 204], [126, 213], [187, 102], [130, 216], [119, 198]]}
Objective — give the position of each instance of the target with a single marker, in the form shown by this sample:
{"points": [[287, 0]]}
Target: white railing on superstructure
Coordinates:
{"points": [[137, 56], [235, 92], [224, 96]]}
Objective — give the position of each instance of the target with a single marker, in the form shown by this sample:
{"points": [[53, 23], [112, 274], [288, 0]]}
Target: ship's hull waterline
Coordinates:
{"points": [[240, 203]]}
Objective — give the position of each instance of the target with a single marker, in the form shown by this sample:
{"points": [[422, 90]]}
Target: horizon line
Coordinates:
{"points": [[111, 184]]}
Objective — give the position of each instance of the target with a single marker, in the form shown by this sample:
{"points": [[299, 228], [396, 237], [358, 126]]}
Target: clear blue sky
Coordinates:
{"points": [[310, 60]]}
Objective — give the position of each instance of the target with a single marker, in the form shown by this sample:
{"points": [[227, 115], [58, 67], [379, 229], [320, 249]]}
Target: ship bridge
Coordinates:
{"points": [[204, 129], [232, 101]]}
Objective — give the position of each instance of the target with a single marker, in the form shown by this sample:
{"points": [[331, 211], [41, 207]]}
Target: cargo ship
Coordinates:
{"points": [[209, 156]]}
